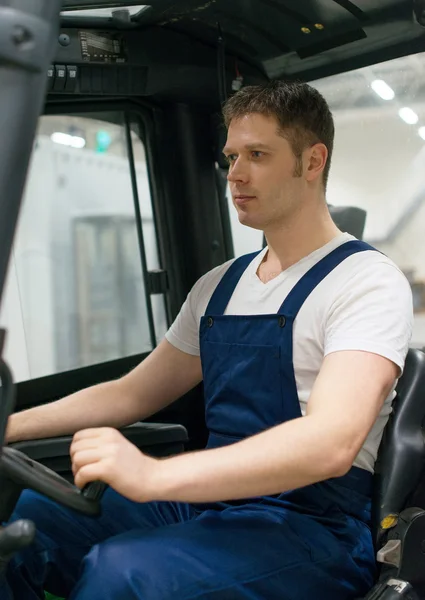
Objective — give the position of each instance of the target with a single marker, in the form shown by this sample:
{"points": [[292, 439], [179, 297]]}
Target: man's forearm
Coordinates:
{"points": [[161, 378], [286, 457], [100, 405]]}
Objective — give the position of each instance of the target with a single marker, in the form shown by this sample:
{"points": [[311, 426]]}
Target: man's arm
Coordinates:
{"points": [[164, 376], [367, 334], [345, 401]]}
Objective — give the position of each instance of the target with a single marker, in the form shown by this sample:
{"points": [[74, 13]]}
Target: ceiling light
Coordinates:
{"points": [[102, 12], [422, 132], [382, 89], [408, 115], [75, 141]]}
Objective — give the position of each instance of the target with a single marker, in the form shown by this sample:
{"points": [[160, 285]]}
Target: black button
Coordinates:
{"points": [[282, 321], [71, 78], [60, 78], [210, 321]]}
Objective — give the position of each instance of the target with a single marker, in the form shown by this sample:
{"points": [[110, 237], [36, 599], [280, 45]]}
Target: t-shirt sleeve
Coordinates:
{"points": [[373, 312], [184, 332]]}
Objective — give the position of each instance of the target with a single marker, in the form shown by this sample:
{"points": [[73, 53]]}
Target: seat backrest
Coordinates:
{"points": [[351, 219], [401, 457]]}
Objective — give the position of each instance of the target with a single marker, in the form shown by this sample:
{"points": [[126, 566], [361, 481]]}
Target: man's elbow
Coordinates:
{"points": [[342, 467], [341, 462]]}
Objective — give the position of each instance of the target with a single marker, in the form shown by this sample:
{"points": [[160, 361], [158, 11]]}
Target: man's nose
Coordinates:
{"points": [[238, 172]]}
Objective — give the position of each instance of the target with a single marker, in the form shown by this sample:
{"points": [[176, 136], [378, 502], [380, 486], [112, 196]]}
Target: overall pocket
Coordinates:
{"points": [[242, 386]]}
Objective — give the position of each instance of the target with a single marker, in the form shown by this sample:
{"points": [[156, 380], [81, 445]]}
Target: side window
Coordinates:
{"points": [[76, 292], [378, 162]]}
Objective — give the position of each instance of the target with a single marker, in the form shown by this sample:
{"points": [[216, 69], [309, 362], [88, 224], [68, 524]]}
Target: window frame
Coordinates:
{"points": [[136, 117]]}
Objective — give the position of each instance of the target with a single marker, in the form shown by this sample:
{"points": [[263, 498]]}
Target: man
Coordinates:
{"points": [[299, 346]]}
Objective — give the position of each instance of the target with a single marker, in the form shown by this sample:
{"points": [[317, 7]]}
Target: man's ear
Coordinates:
{"points": [[315, 161]]}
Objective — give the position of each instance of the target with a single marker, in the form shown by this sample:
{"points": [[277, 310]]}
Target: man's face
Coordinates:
{"points": [[264, 176]]}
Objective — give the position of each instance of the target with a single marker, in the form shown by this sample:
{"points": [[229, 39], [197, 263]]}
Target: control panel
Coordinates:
{"points": [[113, 80], [97, 62]]}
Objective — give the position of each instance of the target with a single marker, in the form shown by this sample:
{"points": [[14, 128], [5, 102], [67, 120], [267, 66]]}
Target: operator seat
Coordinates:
{"points": [[398, 515], [401, 457]]}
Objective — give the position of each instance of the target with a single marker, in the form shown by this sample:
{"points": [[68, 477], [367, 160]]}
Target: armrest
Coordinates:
{"points": [[403, 559], [143, 435]]}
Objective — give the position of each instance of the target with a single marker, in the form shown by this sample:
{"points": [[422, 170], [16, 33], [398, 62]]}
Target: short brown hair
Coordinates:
{"points": [[302, 113]]}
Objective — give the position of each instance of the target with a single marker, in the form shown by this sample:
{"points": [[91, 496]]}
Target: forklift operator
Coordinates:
{"points": [[299, 346]]}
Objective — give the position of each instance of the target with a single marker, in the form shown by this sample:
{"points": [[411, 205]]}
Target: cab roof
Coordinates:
{"points": [[278, 38]]}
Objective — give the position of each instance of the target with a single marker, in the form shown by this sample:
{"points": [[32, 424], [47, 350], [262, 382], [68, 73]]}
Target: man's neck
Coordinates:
{"points": [[298, 237]]}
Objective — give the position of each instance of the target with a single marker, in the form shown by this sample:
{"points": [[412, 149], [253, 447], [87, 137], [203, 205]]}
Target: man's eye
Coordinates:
{"points": [[231, 158], [257, 153]]}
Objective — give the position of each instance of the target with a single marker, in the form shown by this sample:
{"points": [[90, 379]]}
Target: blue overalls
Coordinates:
{"points": [[313, 542]]}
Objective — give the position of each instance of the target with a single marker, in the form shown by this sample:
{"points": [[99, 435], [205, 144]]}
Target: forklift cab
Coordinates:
{"points": [[168, 66]]}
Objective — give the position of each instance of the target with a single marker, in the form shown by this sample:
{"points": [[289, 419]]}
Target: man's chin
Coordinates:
{"points": [[249, 221]]}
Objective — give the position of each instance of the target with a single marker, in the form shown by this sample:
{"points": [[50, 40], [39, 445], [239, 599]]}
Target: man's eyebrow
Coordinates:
{"points": [[259, 146]]}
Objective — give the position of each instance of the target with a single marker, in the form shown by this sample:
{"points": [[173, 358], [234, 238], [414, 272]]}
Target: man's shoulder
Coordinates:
{"points": [[365, 276], [371, 262], [216, 273], [206, 284]]}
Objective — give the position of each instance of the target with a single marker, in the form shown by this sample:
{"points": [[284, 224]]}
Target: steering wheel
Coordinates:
{"points": [[25, 473]]}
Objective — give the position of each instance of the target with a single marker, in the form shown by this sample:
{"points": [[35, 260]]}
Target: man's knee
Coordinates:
{"points": [[109, 573], [116, 569]]}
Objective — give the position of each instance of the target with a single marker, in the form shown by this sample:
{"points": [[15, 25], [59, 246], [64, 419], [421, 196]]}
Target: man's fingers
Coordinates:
{"points": [[88, 473], [83, 445], [85, 457]]}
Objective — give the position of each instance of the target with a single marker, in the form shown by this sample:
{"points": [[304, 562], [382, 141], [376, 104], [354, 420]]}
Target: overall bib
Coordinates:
{"points": [[313, 542], [250, 386]]}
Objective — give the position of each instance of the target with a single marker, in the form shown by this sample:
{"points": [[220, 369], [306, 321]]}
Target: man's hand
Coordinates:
{"points": [[104, 454]]}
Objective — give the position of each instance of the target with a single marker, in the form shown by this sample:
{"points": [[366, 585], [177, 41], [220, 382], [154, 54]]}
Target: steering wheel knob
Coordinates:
{"points": [[94, 490]]}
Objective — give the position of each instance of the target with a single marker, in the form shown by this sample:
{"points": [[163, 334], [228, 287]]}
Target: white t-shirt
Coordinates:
{"points": [[365, 303]]}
